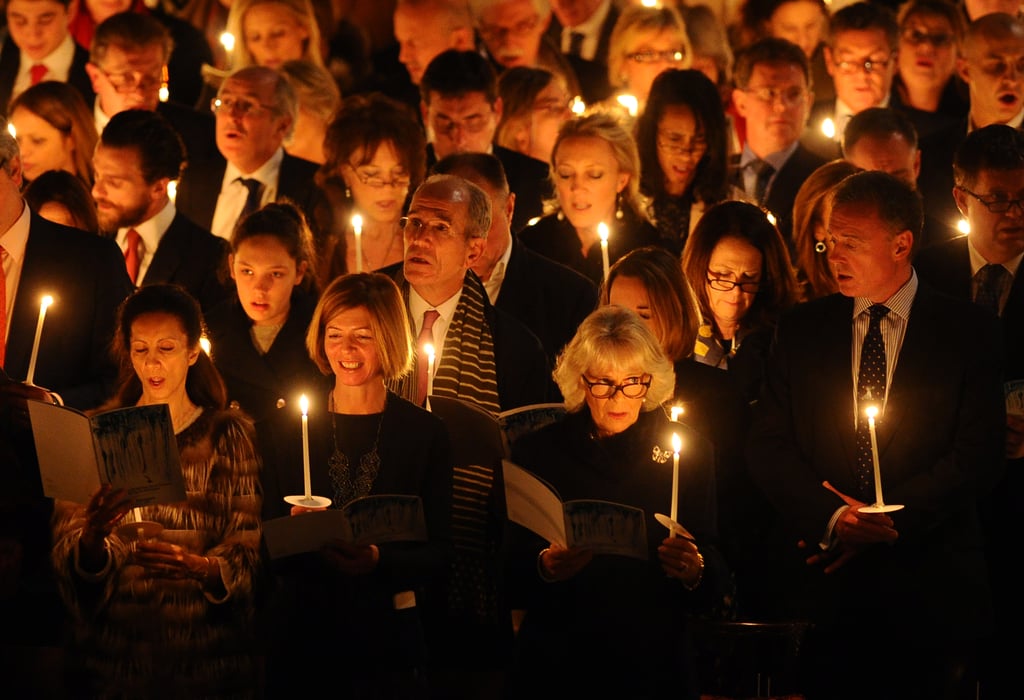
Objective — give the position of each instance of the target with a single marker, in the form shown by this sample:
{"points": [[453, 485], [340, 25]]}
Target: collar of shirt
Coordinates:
{"points": [[899, 303], [150, 231], [58, 63], [99, 116], [266, 173], [776, 160], [1017, 120], [446, 310], [843, 113], [591, 31], [14, 240], [493, 283]]}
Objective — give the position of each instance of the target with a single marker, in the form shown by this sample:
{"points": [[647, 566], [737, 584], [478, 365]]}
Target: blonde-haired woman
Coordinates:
{"points": [[595, 169], [644, 42]]}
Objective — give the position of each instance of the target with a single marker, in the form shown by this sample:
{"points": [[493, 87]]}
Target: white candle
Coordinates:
{"points": [[872, 411], [47, 300], [676, 445], [357, 231], [677, 410], [602, 231], [304, 405], [227, 40], [630, 102]]}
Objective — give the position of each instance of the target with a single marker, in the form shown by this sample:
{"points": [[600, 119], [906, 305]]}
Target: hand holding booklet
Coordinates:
{"points": [[361, 521], [603, 527]]}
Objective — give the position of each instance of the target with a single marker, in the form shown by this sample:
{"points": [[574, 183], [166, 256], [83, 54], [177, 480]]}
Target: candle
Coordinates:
{"points": [[676, 445], [828, 128], [602, 231], [47, 300], [872, 411], [304, 405], [429, 349], [227, 40], [357, 230], [630, 102], [677, 410]]}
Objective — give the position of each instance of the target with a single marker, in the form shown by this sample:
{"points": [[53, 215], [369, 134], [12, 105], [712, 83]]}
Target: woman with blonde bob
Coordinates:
{"points": [[615, 444], [644, 42]]}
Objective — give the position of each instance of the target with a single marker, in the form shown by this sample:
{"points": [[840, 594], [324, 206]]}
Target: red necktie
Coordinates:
{"points": [[37, 72], [132, 259], [422, 360], [3, 306]]}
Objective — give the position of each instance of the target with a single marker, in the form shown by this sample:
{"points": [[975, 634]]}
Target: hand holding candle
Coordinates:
{"points": [[357, 231], [602, 231], [47, 300]]}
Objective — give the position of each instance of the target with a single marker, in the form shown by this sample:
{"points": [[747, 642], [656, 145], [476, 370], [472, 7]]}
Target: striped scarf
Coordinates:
{"points": [[467, 370]]}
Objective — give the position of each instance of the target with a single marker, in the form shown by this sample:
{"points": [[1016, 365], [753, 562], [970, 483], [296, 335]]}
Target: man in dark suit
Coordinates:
{"points": [[550, 298], [461, 109], [138, 155], [773, 95], [445, 233], [582, 29], [989, 174], [255, 112], [897, 600], [128, 67], [39, 47]]}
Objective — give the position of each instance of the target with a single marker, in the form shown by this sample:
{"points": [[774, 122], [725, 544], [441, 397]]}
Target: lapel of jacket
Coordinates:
{"points": [[169, 254], [34, 282], [835, 353]]}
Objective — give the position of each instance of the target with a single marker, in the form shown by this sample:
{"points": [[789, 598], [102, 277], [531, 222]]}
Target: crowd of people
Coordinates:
{"points": [[750, 224]]}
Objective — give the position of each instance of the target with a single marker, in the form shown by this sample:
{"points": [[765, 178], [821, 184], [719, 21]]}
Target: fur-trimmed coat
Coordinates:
{"points": [[136, 637]]}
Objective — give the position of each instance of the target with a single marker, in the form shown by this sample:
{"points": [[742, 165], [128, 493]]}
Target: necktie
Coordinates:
{"points": [[37, 72], [252, 200], [871, 377], [132, 254], [764, 172], [3, 306], [990, 286], [422, 360], [576, 44]]}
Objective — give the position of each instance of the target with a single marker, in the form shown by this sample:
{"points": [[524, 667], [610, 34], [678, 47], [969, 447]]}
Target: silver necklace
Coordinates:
{"points": [[346, 484]]}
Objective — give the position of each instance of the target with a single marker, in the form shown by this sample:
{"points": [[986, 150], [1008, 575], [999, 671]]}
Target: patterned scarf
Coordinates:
{"points": [[467, 370]]}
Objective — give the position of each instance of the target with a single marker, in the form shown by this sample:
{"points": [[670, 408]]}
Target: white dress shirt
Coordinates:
{"points": [[233, 194]]}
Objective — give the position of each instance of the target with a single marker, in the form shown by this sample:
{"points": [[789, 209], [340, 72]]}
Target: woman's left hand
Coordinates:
{"points": [[680, 559], [350, 559], [171, 561]]}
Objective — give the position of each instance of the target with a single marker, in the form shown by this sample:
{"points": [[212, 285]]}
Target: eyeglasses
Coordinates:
{"points": [[915, 37], [697, 145], [656, 56], [996, 203], [414, 227], [632, 388], [868, 66], [723, 285], [788, 96], [377, 182], [492, 34], [133, 80], [472, 125], [237, 105]]}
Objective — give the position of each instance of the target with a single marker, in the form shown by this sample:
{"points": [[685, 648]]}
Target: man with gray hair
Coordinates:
{"points": [[255, 111]]}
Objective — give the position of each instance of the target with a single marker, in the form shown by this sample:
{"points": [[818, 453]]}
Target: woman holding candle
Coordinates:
{"points": [[621, 619], [171, 616], [595, 169], [376, 156], [363, 440]]}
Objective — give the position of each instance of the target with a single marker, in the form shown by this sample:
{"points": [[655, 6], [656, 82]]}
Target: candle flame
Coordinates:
{"points": [[46, 302], [602, 231], [963, 226], [630, 102], [429, 349], [871, 411], [357, 224], [677, 443], [227, 40], [828, 127], [676, 412], [205, 344], [771, 218], [304, 405], [172, 190], [578, 106], [11, 130]]}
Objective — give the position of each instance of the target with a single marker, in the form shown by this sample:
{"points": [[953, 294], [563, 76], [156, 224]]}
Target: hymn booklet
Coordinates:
{"points": [[129, 448]]}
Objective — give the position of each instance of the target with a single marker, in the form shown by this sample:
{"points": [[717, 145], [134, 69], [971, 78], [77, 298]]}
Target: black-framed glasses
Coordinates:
{"points": [[632, 388], [240, 106], [414, 227], [868, 66], [722, 284], [132, 80], [398, 180], [789, 96], [657, 56], [996, 203], [493, 34], [916, 37], [696, 146]]}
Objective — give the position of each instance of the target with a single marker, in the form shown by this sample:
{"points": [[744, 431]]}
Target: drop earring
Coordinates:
{"points": [[618, 206]]}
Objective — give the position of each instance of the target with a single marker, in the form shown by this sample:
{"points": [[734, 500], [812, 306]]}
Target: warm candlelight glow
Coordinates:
{"points": [[771, 218], [304, 407], [828, 127], [677, 411], [963, 226], [677, 444], [172, 190], [871, 411], [630, 102], [11, 130], [578, 106], [357, 231], [227, 40], [602, 231], [205, 344], [45, 303]]}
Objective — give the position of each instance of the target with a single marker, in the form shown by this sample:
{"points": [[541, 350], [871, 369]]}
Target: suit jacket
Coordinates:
{"points": [[87, 278], [198, 130], [10, 64], [591, 74], [550, 298], [527, 178], [935, 182], [940, 443], [200, 187], [193, 258]]}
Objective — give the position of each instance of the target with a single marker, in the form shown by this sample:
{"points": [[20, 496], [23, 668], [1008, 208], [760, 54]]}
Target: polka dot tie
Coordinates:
{"points": [[990, 286], [871, 377]]}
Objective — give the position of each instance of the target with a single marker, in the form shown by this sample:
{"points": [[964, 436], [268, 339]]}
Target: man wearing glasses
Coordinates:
{"points": [[128, 69], [39, 47], [773, 96], [461, 108], [986, 268], [255, 111], [861, 58]]}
